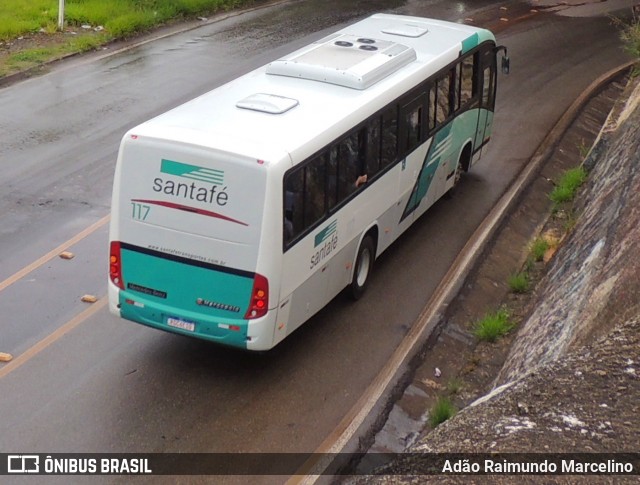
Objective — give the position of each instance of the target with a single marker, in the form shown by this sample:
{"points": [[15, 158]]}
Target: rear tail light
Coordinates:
{"points": [[259, 304], [115, 266]]}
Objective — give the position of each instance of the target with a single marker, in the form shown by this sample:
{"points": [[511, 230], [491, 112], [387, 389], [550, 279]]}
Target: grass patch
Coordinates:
{"points": [[126, 25], [565, 190], [84, 44], [630, 35], [454, 385], [519, 282], [583, 149], [493, 326], [442, 410], [538, 248], [36, 21], [34, 57], [31, 55], [27, 59], [119, 17], [529, 264], [570, 221]]}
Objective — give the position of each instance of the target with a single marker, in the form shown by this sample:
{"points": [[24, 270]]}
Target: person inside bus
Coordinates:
{"points": [[289, 206], [288, 225], [361, 180], [356, 146]]}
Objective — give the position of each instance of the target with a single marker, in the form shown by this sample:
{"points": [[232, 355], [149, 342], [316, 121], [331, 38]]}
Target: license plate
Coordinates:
{"points": [[182, 324]]}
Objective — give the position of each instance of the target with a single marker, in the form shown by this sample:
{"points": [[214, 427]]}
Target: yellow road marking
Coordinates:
{"points": [[53, 253], [52, 337]]}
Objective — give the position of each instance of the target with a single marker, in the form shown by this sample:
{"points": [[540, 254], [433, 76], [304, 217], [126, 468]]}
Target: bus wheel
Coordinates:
{"points": [[463, 166], [363, 268], [458, 175], [456, 180]]}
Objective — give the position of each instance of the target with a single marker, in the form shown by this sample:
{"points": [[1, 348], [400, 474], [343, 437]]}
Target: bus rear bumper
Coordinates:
{"points": [[245, 334]]}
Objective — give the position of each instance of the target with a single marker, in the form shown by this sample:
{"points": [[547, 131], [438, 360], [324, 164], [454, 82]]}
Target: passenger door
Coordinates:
{"points": [[487, 99]]}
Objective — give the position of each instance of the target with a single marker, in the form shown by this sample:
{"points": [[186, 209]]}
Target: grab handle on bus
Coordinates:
{"points": [[505, 59]]}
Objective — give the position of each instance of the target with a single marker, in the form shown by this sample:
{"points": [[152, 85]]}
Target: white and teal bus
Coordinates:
{"points": [[240, 214]]}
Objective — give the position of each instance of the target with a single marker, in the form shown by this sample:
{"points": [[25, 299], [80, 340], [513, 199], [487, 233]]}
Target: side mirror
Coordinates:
{"points": [[505, 58], [505, 65]]}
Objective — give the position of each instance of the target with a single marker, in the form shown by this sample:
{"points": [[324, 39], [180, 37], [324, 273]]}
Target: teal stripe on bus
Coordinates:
{"points": [[211, 297], [183, 283], [444, 148], [470, 43]]}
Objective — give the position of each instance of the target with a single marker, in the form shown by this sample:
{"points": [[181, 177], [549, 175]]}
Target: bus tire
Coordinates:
{"points": [[449, 194], [363, 268], [464, 163]]}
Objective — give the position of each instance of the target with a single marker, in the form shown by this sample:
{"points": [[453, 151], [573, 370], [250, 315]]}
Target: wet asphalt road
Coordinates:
{"points": [[112, 386]]}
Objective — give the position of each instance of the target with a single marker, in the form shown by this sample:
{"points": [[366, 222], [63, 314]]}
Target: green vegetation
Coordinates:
{"points": [[493, 325], [569, 183], [30, 27], [454, 385], [33, 55], [442, 410], [519, 282], [583, 149], [570, 220], [29, 58], [539, 246], [630, 35], [118, 17]]}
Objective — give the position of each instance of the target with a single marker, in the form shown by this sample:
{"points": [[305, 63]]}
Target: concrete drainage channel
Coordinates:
{"points": [[485, 285]]}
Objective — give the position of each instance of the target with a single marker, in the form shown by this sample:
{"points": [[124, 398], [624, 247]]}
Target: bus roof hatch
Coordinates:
{"points": [[345, 60], [267, 103]]}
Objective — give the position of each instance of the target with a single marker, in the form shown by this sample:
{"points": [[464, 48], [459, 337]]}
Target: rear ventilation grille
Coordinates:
{"points": [[345, 60]]}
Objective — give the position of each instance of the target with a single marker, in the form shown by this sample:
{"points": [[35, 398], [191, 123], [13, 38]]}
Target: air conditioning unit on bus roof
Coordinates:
{"points": [[345, 60]]}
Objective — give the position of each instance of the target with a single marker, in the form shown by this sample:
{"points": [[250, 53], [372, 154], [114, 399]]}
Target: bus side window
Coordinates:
{"points": [[413, 119], [389, 136], [468, 86], [431, 108], [293, 204], [373, 142], [442, 99], [488, 88], [332, 177], [454, 92], [314, 192], [349, 165]]}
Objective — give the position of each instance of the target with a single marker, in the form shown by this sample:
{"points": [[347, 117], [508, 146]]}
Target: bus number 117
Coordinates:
{"points": [[140, 211]]}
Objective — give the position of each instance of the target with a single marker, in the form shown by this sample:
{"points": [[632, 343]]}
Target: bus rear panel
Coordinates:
{"points": [[184, 242]]}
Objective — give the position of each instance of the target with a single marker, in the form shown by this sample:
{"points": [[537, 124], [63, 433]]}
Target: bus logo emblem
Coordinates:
{"points": [[193, 172], [327, 238], [326, 233], [217, 306]]}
